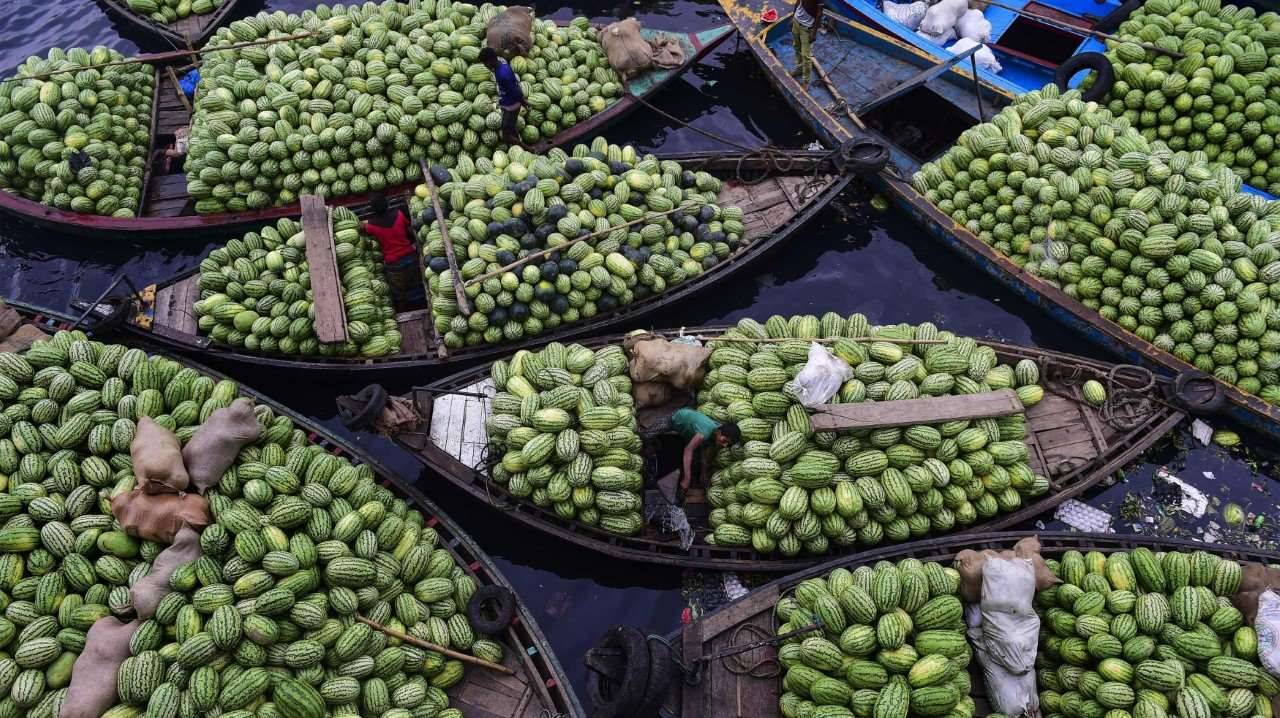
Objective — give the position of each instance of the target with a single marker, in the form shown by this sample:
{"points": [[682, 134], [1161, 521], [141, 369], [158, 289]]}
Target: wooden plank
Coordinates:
{"points": [[487, 699], [173, 307], [926, 410], [442, 417], [413, 332], [692, 699], [475, 436], [1076, 452], [740, 694], [1071, 434], [330, 314], [1055, 420], [755, 602]]}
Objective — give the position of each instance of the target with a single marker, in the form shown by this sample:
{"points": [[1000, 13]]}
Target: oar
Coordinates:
{"points": [[1087, 32]]}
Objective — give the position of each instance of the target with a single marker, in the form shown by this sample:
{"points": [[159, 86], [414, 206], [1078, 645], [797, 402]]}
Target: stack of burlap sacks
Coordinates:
{"points": [[166, 506], [510, 33]]}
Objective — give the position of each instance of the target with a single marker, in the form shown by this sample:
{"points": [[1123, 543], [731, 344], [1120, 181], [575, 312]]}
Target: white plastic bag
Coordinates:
{"points": [[942, 17], [1267, 624], [973, 25], [986, 59], [1013, 694], [1010, 627], [821, 377], [908, 14], [940, 40]]}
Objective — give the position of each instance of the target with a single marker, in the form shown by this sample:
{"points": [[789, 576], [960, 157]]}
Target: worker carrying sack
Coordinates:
{"points": [[145, 595], [217, 443], [628, 52], [159, 517], [157, 459], [654, 359], [93, 676], [510, 32]]}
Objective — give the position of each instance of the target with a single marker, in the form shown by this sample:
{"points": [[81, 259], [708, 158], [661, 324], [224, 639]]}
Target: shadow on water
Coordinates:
{"points": [[849, 260]]}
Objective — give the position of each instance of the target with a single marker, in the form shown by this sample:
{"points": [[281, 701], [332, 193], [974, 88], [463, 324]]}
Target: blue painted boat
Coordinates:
{"points": [[881, 88], [1029, 50]]}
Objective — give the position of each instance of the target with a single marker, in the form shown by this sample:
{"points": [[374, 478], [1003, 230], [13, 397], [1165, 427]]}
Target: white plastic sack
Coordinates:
{"points": [[821, 377], [1013, 694], [986, 59], [940, 40], [1267, 624], [942, 17], [1010, 627], [973, 25], [909, 14]]}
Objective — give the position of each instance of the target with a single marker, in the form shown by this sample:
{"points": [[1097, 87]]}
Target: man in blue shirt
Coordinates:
{"points": [[510, 96]]}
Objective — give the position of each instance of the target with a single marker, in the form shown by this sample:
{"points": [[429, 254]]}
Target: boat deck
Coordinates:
{"points": [[489, 694], [167, 192]]}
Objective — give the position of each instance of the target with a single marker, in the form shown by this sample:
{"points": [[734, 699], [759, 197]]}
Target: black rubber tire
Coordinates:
{"points": [[359, 410], [1198, 393], [661, 670], [479, 607], [863, 156], [622, 697], [1096, 61]]}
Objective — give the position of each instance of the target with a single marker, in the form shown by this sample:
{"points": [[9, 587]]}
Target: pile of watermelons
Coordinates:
{"points": [[255, 293], [564, 425], [373, 90], [789, 489], [301, 541], [77, 138], [889, 642], [507, 207]]}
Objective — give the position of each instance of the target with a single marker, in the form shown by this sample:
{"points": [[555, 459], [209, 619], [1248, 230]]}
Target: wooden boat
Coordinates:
{"points": [[1030, 45], [1071, 443], [538, 686], [775, 207], [190, 31], [721, 688], [900, 90], [167, 211]]}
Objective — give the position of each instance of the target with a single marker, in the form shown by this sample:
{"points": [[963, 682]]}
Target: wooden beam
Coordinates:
{"points": [[326, 287], [907, 412], [177, 87], [464, 306]]}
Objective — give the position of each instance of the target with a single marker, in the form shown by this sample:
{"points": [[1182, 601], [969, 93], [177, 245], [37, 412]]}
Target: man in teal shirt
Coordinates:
{"points": [[698, 428]]}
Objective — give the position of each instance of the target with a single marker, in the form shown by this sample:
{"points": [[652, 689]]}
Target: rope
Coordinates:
{"points": [[693, 673]]}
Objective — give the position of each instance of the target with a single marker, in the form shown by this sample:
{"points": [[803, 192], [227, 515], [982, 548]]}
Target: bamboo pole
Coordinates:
{"points": [[167, 56], [551, 250], [177, 87], [831, 87], [415, 641], [461, 296]]}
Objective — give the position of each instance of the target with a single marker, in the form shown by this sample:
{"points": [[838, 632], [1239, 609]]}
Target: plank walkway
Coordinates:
{"points": [[167, 194]]}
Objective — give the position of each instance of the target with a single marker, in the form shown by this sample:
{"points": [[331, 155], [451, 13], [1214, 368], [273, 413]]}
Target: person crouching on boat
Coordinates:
{"points": [[804, 31], [697, 429], [392, 229], [510, 94]]}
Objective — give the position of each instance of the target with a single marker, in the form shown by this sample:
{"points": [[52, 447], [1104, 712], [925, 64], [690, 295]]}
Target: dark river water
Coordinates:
{"points": [[850, 260]]}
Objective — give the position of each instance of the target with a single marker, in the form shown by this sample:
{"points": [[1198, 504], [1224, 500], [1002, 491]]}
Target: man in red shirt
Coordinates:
{"points": [[393, 231]]}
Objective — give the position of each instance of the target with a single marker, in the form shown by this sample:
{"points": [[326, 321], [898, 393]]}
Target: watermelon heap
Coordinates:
{"points": [[255, 293], [78, 139], [791, 490], [564, 424], [302, 540], [1148, 634], [1162, 243], [379, 87], [167, 11], [891, 644], [504, 207], [1223, 97]]}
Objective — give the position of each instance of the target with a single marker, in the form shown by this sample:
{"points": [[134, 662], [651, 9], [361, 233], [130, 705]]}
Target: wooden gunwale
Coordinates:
{"points": [[525, 641], [164, 36]]}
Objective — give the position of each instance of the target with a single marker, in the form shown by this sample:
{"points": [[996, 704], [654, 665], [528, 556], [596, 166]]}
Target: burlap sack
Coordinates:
{"points": [[22, 339], [510, 33], [93, 677], [159, 517], [218, 441], [146, 593], [1255, 579], [667, 53], [10, 320], [654, 359], [157, 459], [650, 393], [628, 52], [969, 563]]}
